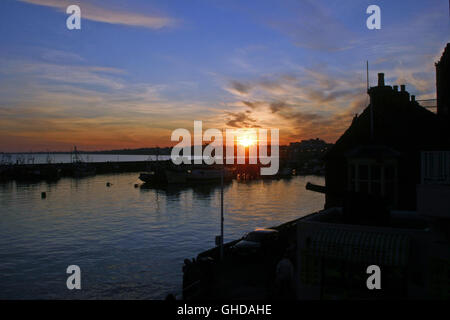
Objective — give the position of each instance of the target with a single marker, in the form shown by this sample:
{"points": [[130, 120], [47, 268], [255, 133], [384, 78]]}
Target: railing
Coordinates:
{"points": [[435, 167]]}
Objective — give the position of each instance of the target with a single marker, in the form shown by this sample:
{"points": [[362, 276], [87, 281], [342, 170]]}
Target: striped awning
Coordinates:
{"points": [[361, 246]]}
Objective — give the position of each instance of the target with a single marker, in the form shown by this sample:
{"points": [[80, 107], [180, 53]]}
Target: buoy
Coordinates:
{"points": [[43, 195]]}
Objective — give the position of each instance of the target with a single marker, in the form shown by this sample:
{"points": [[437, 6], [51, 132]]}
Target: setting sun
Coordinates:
{"points": [[246, 141]]}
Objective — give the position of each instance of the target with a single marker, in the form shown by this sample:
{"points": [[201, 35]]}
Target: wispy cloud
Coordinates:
{"points": [[241, 120], [62, 73], [312, 25], [406, 52], [55, 105], [108, 15], [307, 104]]}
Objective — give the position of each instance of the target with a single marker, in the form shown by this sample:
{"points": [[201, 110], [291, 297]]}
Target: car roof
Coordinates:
{"points": [[263, 230]]}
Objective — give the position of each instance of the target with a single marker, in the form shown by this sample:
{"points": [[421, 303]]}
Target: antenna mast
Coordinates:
{"points": [[367, 74]]}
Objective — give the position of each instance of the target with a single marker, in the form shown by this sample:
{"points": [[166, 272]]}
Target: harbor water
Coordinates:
{"points": [[129, 242], [40, 158]]}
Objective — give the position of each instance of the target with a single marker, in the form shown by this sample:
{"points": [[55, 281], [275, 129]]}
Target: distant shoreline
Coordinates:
{"points": [[134, 152]]}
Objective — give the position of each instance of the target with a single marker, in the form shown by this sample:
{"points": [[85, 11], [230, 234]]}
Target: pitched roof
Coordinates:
{"points": [[402, 126]]}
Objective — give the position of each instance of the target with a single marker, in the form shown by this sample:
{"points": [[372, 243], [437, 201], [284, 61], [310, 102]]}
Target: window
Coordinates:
{"points": [[370, 176], [436, 167]]}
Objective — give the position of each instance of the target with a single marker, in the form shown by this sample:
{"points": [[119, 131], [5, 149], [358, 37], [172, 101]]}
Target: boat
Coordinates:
{"points": [[4, 171], [80, 168], [285, 172], [164, 176], [209, 174], [175, 175], [147, 177], [180, 175]]}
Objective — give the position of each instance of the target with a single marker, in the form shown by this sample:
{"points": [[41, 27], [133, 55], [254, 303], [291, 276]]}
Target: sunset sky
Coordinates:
{"points": [[139, 69]]}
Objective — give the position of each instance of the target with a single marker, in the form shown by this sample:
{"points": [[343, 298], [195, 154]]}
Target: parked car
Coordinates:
{"points": [[257, 242]]}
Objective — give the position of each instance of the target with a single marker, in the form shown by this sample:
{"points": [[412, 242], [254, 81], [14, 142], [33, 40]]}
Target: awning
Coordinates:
{"points": [[380, 248]]}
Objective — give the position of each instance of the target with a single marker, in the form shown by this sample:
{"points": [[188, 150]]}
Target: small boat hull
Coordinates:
{"points": [[147, 177]]}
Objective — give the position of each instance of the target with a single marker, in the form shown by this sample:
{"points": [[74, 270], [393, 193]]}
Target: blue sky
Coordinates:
{"points": [[139, 69]]}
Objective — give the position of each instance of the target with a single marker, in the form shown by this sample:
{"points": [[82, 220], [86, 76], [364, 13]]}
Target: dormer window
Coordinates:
{"points": [[372, 170]]}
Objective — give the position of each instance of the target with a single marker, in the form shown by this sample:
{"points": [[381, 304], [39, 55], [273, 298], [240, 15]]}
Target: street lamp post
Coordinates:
{"points": [[221, 204], [221, 214]]}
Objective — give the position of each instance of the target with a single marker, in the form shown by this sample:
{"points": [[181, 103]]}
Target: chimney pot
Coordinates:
{"points": [[381, 79], [402, 88]]}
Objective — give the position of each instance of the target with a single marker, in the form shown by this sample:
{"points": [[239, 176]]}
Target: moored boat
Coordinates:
{"points": [[175, 176], [209, 174], [285, 172], [147, 177], [164, 176]]}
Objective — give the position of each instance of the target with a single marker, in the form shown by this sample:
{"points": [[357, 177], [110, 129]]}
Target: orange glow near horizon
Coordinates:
{"points": [[246, 141]]}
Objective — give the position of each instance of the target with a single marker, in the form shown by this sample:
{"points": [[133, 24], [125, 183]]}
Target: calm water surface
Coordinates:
{"points": [[129, 242]]}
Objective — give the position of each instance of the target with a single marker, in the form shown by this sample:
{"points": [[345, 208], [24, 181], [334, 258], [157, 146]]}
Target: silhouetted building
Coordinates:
{"points": [[309, 145], [412, 250], [443, 83], [396, 154], [307, 156], [378, 156]]}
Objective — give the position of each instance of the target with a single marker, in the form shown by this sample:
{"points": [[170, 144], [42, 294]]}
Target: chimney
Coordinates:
{"points": [[413, 98], [381, 79], [402, 88], [396, 88]]}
